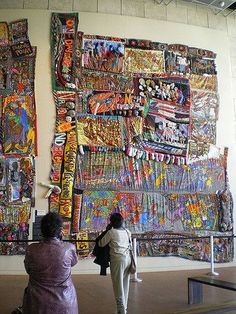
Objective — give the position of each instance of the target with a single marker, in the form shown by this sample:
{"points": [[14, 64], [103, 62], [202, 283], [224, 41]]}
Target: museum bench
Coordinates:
{"points": [[195, 287]]}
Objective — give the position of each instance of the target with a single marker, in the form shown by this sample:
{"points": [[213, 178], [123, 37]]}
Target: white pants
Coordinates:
{"points": [[120, 279]]}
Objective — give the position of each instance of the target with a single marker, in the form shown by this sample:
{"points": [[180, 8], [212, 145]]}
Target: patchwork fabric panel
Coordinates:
{"points": [[149, 212], [18, 135], [144, 61], [135, 133], [19, 125], [103, 54], [115, 171]]}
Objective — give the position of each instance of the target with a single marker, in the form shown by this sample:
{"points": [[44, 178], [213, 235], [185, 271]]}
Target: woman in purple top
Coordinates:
{"points": [[48, 263]]}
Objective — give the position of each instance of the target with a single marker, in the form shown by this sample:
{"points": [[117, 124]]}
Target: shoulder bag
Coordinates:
{"points": [[132, 268]]}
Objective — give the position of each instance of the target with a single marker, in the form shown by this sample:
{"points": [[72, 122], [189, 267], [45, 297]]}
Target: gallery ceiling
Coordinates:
{"points": [[225, 7], [218, 5]]}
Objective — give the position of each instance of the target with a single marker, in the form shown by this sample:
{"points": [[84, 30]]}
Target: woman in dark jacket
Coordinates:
{"points": [[48, 263]]}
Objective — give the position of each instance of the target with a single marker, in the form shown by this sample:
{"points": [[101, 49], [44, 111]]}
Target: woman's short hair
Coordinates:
{"points": [[116, 220], [51, 225]]}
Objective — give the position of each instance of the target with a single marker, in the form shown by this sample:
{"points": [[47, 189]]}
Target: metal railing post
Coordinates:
{"points": [[134, 277], [212, 272]]}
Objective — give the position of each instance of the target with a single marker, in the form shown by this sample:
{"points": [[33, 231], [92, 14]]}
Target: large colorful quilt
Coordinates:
{"points": [[135, 130], [18, 135]]}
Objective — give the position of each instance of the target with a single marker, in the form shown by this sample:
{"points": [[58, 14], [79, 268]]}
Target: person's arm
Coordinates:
{"points": [[105, 239], [130, 239], [26, 261], [74, 258]]}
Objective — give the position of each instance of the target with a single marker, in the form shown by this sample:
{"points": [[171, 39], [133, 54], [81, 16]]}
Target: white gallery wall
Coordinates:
{"points": [[221, 41]]}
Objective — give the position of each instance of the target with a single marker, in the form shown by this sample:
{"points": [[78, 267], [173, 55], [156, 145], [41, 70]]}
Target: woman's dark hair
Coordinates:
{"points": [[51, 225], [116, 220]]}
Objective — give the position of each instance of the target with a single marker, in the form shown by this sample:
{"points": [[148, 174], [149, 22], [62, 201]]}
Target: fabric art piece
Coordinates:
{"points": [[196, 211], [4, 34], [197, 149], [20, 44], [111, 103], [195, 249], [99, 131], [85, 249], [22, 74], [103, 54], [66, 103], [76, 212], [205, 105], [134, 127], [19, 130], [5, 60], [135, 133], [18, 135], [206, 83], [115, 171], [173, 89], [64, 27], [148, 212], [138, 43], [14, 225], [176, 63], [68, 175], [166, 128], [103, 81], [57, 152], [17, 180], [203, 130], [97, 207], [144, 61], [202, 66]]}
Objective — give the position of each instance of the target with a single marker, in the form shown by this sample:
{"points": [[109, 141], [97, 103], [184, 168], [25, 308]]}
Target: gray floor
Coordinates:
{"points": [[158, 293]]}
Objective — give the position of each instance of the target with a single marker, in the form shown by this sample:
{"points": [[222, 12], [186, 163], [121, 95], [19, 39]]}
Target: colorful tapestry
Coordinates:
{"points": [[208, 82], [194, 249], [144, 61], [17, 179], [5, 61], [68, 175], [166, 128], [20, 44], [177, 59], [194, 211], [64, 27], [66, 106], [4, 34], [174, 90], [103, 81], [100, 131], [14, 226], [98, 205], [135, 133], [204, 112], [115, 171], [18, 135], [57, 152], [203, 130], [22, 74], [103, 54], [76, 213], [205, 105], [148, 211], [19, 129], [197, 150]]}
